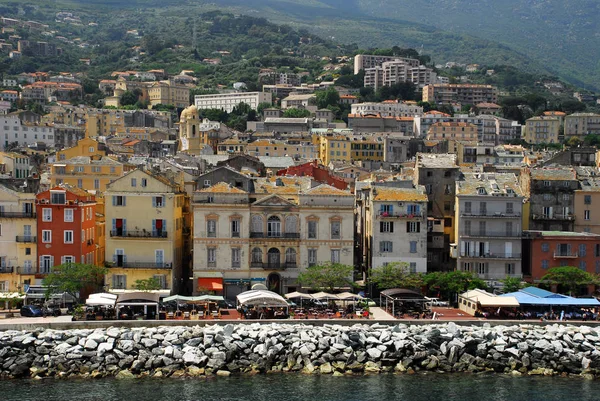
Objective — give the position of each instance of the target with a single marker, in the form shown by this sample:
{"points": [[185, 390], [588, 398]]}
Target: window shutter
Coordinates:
{"points": [[391, 226], [114, 224], [115, 282], [380, 246], [51, 261], [381, 226], [124, 201], [408, 226], [153, 227], [462, 248], [115, 258], [391, 209], [62, 260], [164, 200], [164, 226], [124, 226], [124, 258], [41, 265], [114, 200], [153, 201]]}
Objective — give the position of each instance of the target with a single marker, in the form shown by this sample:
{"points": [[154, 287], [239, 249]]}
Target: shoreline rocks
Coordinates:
{"points": [[176, 351]]}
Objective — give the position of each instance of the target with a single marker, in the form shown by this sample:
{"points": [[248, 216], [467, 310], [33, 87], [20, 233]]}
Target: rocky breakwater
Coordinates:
{"points": [[329, 349]]}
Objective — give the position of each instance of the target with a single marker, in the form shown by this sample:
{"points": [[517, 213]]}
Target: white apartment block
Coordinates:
{"points": [[490, 129], [227, 101], [364, 61], [489, 213], [399, 70], [582, 124], [387, 109], [12, 129]]}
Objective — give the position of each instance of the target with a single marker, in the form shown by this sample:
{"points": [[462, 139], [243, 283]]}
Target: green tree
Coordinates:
{"points": [[328, 276], [128, 98], [262, 106], [328, 97], [150, 284], [570, 277], [395, 275], [296, 113], [448, 284], [72, 278], [512, 284]]}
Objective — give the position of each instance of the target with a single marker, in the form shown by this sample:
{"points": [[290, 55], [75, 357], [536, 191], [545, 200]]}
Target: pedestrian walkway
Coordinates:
{"points": [[379, 314]]}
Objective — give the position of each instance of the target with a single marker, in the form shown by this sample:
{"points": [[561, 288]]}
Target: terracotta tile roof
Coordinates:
{"points": [[325, 189], [222, 188], [399, 194]]}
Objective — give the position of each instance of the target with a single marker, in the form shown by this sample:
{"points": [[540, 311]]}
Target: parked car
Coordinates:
{"points": [[226, 304], [31, 311], [437, 302]]}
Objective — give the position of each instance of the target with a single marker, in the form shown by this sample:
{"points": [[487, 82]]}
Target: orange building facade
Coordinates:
{"points": [[66, 225]]}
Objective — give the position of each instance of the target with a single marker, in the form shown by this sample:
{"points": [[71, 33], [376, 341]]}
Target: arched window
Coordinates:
{"points": [[274, 227], [274, 258], [257, 255], [290, 256], [257, 224], [291, 225]]}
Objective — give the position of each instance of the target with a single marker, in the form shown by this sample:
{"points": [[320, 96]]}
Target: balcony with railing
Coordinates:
{"points": [[273, 265], [492, 234], [466, 255], [490, 215], [32, 269], [554, 216], [498, 276], [138, 234], [6, 269], [26, 238], [566, 255], [142, 265], [18, 215], [274, 235], [399, 215]]}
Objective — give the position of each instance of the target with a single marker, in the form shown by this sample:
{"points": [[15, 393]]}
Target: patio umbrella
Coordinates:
{"points": [[324, 295], [302, 296]]}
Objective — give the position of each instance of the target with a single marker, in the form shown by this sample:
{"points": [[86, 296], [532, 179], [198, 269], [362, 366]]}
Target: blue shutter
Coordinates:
{"points": [[124, 226], [164, 201], [417, 209], [381, 208], [124, 201], [153, 201], [124, 258], [164, 228], [114, 200], [114, 225], [391, 209], [115, 258], [154, 228]]}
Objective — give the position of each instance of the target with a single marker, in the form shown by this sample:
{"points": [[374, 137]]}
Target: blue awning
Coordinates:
{"points": [[537, 296]]}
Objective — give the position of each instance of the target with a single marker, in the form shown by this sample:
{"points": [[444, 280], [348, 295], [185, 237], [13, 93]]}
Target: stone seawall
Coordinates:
{"points": [[222, 350]]}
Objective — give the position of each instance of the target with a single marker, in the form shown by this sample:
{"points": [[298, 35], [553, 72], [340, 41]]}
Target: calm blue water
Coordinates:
{"points": [[283, 387]]}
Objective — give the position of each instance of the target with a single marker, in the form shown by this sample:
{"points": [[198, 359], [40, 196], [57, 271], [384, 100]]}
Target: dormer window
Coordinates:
{"points": [[481, 191], [58, 197]]}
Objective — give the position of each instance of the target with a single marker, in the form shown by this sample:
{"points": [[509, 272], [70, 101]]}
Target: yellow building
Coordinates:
{"points": [[367, 149], [168, 93], [585, 207], [18, 250], [542, 130], [144, 231], [85, 147], [196, 133], [85, 172], [100, 122], [231, 146], [453, 131], [334, 148]]}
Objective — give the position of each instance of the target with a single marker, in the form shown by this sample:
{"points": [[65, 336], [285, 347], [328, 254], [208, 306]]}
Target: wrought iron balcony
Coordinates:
{"points": [[566, 255], [399, 215], [18, 215], [554, 216], [491, 256], [138, 234], [26, 238], [492, 234], [275, 235], [142, 265], [6, 269], [490, 215]]}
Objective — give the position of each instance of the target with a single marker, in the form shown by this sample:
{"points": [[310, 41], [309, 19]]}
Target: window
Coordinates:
{"points": [[256, 255], [119, 281], [582, 250], [57, 198], [46, 236], [413, 246], [68, 215], [467, 227], [546, 183], [597, 253], [482, 208], [336, 230], [235, 258], [467, 207], [96, 183], [27, 251], [91, 149], [335, 256], [545, 247], [312, 229], [206, 183], [547, 211], [211, 256], [158, 201], [386, 226], [312, 256], [144, 182], [46, 263], [386, 209], [412, 267], [385, 246], [67, 260], [290, 257], [235, 228], [211, 228], [291, 226], [133, 182], [161, 279], [544, 264], [587, 199], [510, 269], [582, 264], [274, 227], [586, 214], [257, 224], [413, 227], [119, 200], [79, 183], [46, 214], [68, 236], [509, 208]]}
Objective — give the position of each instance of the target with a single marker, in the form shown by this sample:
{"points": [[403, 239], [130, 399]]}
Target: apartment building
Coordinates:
{"points": [[398, 71], [364, 61], [395, 227], [14, 164], [552, 196], [66, 224], [388, 108], [86, 172], [547, 249], [227, 101], [542, 129], [585, 208], [488, 215], [168, 93], [84, 147], [43, 92], [18, 250], [302, 149], [144, 231], [452, 131], [270, 234], [460, 93], [14, 129], [581, 124], [374, 123]]}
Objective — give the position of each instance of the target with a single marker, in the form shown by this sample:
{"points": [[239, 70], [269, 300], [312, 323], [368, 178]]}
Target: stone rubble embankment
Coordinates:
{"points": [[177, 351]]}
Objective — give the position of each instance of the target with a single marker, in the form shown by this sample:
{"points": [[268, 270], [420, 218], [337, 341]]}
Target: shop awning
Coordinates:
{"points": [[211, 283], [261, 298]]}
